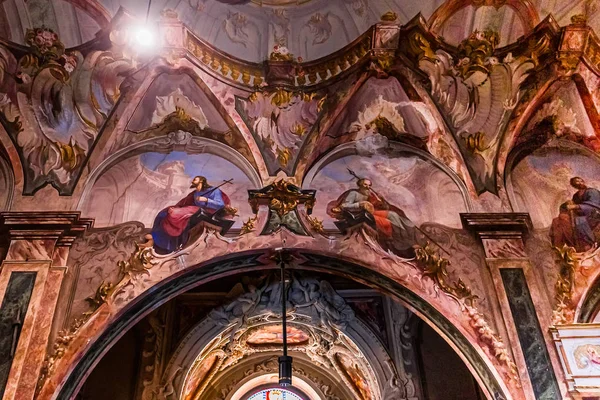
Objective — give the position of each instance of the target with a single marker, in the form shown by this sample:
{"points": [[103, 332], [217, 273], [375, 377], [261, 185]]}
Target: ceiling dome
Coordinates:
{"points": [[310, 29]]}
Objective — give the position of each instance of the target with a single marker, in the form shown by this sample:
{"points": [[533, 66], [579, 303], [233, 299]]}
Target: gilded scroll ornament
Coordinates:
{"points": [[475, 52], [495, 345], [475, 142], [62, 342], [563, 310], [249, 225], [419, 47], [389, 16], [316, 224], [282, 198], [101, 295], [435, 267]]}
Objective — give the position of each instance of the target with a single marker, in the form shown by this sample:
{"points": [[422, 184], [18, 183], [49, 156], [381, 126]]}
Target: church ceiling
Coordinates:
{"points": [[70, 111], [348, 128], [307, 28]]}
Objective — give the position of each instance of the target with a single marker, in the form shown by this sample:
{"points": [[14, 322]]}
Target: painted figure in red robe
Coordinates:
{"points": [[172, 225], [396, 232]]}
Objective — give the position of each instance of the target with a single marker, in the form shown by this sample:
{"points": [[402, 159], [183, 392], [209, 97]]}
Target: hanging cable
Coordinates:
{"points": [[285, 361], [148, 10]]}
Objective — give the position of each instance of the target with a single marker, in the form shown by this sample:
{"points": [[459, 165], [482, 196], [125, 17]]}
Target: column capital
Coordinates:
{"points": [[64, 226], [497, 225]]}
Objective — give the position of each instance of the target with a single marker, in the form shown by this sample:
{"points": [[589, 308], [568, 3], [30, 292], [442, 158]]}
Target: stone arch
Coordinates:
{"points": [[208, 340], [89, 353]]}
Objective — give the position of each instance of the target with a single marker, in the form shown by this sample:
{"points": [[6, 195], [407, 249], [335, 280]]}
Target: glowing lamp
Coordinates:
{"points": [[144, 37]]}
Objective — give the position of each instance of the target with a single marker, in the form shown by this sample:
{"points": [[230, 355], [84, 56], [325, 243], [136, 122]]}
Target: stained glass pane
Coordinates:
{"points": [[275, 394]]}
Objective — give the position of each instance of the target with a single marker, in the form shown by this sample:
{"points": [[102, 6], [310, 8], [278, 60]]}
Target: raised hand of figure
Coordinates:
{"points": [[202, 198]]}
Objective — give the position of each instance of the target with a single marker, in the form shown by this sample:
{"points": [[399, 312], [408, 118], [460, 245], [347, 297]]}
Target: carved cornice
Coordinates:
{"points": [[63, 226], [288, 73], [363, 49], [497, 225]]}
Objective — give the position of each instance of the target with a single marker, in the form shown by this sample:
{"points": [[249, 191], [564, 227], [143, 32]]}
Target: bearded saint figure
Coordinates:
{"points": [[396, 232], [172, 225], [578, 222]]}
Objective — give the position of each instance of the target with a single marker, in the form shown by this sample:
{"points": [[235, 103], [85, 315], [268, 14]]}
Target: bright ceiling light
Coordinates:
{"points": [[144, 37]]}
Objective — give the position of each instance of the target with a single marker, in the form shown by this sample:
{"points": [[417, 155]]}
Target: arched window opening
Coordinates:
{"points": [[276, 393]]}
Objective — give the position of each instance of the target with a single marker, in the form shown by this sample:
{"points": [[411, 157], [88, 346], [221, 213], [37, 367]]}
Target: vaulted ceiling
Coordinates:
{"points": [[249, 29]]}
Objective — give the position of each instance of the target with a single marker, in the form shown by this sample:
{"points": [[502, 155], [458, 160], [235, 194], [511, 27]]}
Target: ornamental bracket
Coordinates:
{"points": [[282, 198]]}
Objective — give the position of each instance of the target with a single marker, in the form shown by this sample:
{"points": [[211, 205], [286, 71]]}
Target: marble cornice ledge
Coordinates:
{"points": [[65, 226], [501, 234], [497, 225]]}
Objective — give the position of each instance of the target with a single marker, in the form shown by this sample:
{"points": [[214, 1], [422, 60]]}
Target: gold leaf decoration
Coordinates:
{"points": [[563, 310], [249, 225], [282, 97], [316, 224], [435, 267], [283, 156]]}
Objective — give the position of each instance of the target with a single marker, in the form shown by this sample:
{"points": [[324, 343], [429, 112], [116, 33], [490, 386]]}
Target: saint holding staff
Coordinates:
{"points": [[396, 232], [172, 225]]}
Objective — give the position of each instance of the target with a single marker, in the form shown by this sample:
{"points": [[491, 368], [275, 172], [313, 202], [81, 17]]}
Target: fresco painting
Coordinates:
{"points": [[170, 184], [205, 203], [569, 184], [578, 222], [587, 357], [280, 122], [198, 374], [413, 199], [355, 374], [273, 334], [169, 92], [395, 231], [140, 187]]}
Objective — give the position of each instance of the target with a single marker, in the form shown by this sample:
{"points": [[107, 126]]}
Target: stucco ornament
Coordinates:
{"points": [[59, 101], [281, 120], [166, 105], [322, 328], [477, 92]]}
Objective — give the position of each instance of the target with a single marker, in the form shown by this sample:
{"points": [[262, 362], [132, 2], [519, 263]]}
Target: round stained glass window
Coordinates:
{"points": [[275, 394]]}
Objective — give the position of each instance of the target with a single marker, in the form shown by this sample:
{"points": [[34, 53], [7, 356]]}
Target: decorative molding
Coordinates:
{"points": [[64, 338], [568, 264], [577, 346], [497, 225], [435, 267], [282, 198], [328, 324], [249, 225], [65, 227]]}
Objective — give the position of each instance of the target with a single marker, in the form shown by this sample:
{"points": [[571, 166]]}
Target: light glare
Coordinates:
{"points": [[144, 37]]}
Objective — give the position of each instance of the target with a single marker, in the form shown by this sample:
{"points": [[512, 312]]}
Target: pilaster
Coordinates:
{"points": [[37, 249], [524, 309]]}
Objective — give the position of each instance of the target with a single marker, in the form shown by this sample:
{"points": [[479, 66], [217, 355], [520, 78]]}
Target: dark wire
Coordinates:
{"points": [[283, 304], [148, 10]]}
